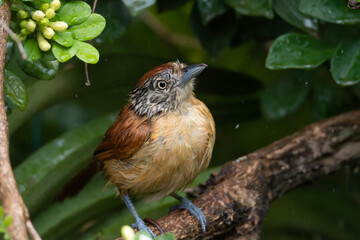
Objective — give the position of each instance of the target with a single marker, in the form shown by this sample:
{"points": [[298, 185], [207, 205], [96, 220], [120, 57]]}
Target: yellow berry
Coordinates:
{"points": [[43, 44], [47, 32], [50, 13], [55, 4], [58, 26], [38, 15], [31, 25]]}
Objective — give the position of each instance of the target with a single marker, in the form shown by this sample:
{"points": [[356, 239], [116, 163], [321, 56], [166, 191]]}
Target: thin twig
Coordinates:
{"points": [[32, 231], [15, 38], [88, 83], [94, 6]]}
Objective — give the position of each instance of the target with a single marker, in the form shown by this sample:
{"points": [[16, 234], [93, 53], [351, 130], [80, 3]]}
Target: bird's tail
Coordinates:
{"points": [[74, 185]]}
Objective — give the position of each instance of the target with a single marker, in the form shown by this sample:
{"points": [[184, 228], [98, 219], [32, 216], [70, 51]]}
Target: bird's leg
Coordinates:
{"points": [[194, 210], [140, 224]]}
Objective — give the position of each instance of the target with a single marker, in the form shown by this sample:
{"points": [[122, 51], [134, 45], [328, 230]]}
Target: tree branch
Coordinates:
{"points": [[11, 199], [236, 200]]}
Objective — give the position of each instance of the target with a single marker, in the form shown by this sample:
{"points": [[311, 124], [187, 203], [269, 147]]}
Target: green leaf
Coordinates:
{"points": [[86, 52], [74, 13], [1, 212], [117, 17], [326, 98], [89, 29], [345, 64], [252, 8], [289, 11], [7, 221], [284, 96], [42, 174], [1, 2], [295, 50], [32, 50], [64, 54], [64, 38], [41, 69], [91, 202], [136, 6], [15, 90], [216, 35], [333, 11], [209, 9]]}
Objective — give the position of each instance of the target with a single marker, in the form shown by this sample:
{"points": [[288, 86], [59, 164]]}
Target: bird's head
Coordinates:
{"points": [[164, 88]]}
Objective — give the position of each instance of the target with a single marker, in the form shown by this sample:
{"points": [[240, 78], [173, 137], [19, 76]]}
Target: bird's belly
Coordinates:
{"points": [[179, 148]]}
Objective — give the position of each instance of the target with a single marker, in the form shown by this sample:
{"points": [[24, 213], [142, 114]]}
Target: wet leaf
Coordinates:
{"points": [[32, 50], [216, 35], [326, 98], [74, 13], [295, 50], [62, 53], [209, 9], [333, 11], [86, 52], [345, 64], [117, 18], [289, 11], [89, 29], [15, 90], [64, 38], [136, 6], [252, 8], [284, 96], [40, 69], [43, 173]]}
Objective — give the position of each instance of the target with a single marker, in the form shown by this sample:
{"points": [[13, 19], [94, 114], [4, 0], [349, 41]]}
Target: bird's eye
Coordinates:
{"points": [[161, 84]]}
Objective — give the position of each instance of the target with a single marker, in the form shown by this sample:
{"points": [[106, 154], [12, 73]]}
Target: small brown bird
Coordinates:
{"points": [[161, 140]]}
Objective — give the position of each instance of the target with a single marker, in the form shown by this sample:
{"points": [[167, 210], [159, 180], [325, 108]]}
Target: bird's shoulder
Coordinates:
{"points": [[124, 137]]}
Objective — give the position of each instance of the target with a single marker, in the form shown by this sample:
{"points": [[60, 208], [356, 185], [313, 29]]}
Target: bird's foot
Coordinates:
{"points": [[194, 210], [141, 226]]}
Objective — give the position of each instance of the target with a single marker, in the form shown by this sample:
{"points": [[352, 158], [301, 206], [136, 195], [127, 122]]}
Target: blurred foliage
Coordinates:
{"points": [[5, 222], [274, 66]]}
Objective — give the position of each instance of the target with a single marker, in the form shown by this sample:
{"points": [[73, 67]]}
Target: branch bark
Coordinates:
{"points": [[235, 200], [11, 199]]}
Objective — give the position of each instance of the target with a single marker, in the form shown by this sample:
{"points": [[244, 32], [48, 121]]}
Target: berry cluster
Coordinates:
{"points": [[40, 24]]}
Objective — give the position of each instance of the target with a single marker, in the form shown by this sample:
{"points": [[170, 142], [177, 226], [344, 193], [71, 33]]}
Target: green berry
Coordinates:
{"points": [[23, 23], [44, 7], [22, 14], [44, 22]]}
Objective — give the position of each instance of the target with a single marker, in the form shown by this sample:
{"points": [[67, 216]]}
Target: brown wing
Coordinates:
{"points": [[127, 134]]}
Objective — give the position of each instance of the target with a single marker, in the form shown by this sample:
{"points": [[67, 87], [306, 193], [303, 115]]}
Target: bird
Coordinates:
{"points": [[160, 141]]}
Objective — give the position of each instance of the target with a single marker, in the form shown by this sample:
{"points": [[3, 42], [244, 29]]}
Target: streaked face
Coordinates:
{"points": [[163, 88]]}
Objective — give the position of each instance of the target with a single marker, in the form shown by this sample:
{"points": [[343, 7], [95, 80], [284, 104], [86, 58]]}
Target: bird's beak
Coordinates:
{"points": [[191, 72]]}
